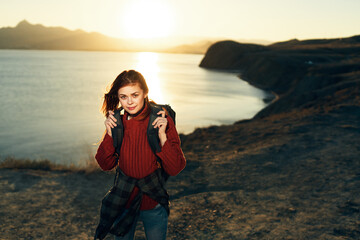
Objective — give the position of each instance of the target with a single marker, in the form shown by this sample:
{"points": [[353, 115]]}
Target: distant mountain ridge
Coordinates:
{"points": [[29, 36], [36, 36]]}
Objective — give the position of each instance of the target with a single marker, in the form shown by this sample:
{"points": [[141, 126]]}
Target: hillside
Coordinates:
{"points": [[301, 73]]}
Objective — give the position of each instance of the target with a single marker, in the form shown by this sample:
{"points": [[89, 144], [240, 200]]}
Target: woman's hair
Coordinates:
{"points": [[130, 77]]}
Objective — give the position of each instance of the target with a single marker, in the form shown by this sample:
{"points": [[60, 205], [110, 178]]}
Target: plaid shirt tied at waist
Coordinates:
{"points": [[114, 202]]}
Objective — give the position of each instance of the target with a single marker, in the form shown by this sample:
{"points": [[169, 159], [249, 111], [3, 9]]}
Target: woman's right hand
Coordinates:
{"points": [[110, 122]]}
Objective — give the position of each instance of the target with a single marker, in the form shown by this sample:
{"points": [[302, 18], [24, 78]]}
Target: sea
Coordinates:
{"points": [[50, 100]]}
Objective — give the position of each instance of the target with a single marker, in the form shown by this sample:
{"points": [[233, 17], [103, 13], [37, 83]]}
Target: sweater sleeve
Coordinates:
{"points": [[171, 155], [105, 154]]}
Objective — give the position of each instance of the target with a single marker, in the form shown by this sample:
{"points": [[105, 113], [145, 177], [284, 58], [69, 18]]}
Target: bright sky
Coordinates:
{"points": [[272, 20]]}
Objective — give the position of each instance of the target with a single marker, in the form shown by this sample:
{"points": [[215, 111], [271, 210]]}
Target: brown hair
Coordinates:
{"points": [[129, 77]]}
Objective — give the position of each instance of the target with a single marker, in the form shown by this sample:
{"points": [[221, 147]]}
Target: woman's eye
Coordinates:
{"points": [[123, 97], [135, 95]]}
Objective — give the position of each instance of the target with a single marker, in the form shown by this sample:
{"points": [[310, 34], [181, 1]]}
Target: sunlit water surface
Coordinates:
{"points": [[50, 100]]}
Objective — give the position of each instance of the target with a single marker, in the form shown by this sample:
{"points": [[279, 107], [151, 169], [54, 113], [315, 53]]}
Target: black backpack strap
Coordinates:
{"points": [[153, 133], [118, 131], [169, 111]]}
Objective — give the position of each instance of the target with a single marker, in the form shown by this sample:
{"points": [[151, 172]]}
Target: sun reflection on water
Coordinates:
{"points": [[147, 65]]}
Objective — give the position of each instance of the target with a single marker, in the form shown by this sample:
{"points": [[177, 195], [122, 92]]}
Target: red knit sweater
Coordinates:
{"points": [[136, 159]]}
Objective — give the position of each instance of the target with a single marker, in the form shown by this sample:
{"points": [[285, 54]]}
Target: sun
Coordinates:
{"points": [[146, 19]]}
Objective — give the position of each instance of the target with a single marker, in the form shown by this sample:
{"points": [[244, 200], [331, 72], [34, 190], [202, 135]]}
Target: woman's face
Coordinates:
{"points": [[131, 98]]}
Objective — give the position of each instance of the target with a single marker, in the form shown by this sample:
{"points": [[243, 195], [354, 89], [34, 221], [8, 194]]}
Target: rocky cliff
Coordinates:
{"points": [[301, 73]]}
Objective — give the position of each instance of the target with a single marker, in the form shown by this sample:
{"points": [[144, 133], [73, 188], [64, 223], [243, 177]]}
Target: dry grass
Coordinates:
{"points": [[13, 163], [90, 165], [86, 165]]}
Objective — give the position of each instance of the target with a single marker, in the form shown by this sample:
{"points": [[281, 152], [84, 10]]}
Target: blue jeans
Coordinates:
{"points": [[155, 224]]}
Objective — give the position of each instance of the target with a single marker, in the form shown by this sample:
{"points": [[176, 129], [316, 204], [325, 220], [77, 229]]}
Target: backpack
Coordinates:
{"points": [[152, 133]]}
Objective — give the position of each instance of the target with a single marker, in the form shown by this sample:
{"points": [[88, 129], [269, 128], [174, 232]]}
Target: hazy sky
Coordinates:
{"points": [[272, 20]]}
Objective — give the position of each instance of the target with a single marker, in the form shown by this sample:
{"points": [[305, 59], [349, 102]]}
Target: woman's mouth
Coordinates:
{"points": [[131, 108]]}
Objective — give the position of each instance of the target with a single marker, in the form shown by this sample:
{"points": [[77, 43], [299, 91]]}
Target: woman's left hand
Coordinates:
{"points": [[161, 123]]}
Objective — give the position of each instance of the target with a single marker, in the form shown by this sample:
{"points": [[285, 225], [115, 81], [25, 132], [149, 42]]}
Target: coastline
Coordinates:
{"points": [[291, 172]]}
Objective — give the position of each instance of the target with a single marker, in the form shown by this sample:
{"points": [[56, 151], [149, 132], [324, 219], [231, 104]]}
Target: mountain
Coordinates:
{"points": [[29, 36], [36, 36]]}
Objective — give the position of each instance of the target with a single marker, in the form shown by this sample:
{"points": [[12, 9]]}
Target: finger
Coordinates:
{"points": [[109, 113], [108, 124], [157, 120], [156, 123], [111, 123], [162, 113], [113, 118], [114, 124], [161, 122], [108, 127]]}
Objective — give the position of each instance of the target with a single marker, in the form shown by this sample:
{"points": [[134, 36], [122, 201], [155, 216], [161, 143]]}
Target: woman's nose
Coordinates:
{"points": [[130, 100]]}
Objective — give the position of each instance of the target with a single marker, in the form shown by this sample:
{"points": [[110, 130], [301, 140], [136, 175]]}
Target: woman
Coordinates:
{"points": [[135, 159]]}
